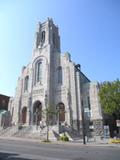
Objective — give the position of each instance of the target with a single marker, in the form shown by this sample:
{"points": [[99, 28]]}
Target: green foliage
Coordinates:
{"points": [[110, 96], [64, 138], [48, 113]]}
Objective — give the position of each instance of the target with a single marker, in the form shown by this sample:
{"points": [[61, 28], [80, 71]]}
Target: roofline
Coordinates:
{"points": [[4, 95], [85, 76]]}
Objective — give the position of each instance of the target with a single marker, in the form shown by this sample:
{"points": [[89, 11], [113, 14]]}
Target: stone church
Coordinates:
{"points": [[53, 79]]}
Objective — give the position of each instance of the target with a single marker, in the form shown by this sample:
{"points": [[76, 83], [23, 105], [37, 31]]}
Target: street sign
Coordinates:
{"points": [[106, 131], [118, 123], [86, 110], [91, 127], [106, 127]]}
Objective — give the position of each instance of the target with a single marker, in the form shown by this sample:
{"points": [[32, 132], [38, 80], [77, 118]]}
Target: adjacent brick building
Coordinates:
{"points": [[4, 100]]}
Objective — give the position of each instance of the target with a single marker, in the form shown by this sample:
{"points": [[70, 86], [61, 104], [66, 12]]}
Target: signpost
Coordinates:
{"points": [[118, 123], [83, 125]]}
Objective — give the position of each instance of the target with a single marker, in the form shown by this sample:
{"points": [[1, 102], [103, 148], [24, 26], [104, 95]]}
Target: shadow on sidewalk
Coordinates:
{"points": [[11, 156]]}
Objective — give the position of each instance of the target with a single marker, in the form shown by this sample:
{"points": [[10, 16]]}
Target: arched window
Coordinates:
{"points": [[26, 83], [59, 70], [38, 72], [43, 36]]}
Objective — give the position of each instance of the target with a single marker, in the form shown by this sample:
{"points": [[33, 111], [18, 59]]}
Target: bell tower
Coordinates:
{"points": [[47, 34], [46, 51]]}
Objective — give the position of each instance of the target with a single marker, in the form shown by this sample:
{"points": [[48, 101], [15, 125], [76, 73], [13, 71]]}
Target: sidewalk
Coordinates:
{"points": [[99, 143]]}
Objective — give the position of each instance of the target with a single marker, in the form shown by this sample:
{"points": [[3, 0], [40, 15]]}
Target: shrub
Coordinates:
{"points": [[64, 138], [114, 141]]}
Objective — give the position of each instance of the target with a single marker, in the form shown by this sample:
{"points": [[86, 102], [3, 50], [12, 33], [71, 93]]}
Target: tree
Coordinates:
{"points": [[49, 112], [110, 97]]}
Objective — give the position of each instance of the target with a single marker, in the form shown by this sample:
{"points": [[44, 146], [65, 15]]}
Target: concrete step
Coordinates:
{"points": [[39, 133], [9, 131]]}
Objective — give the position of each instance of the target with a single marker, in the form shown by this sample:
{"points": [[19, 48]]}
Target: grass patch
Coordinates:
{"points": [[46, 141]]}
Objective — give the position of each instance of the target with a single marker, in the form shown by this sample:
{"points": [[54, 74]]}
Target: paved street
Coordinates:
{"points": [[27, 150]]}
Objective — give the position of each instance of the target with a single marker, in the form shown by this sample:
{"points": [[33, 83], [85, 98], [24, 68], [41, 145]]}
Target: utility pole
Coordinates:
{"points": [[82, 110], [83, 125]]}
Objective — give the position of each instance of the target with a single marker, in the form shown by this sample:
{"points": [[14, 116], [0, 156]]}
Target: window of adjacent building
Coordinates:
{"points": [[43, 36], [3, 102], [26, 83], [59, 70]]}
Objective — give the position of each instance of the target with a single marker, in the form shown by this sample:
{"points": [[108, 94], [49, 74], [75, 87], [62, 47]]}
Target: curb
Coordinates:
{"points": [[77, 143]]}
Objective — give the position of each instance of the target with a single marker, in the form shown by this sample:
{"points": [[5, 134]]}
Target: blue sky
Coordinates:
{"points": [[89, 30]]}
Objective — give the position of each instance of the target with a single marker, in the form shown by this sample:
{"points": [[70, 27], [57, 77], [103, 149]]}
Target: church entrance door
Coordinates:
{"points": [[24, 115], [37, 113], [61, 112]]}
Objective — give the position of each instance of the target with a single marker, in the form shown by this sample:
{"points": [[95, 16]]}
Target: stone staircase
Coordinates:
{"points": [[37, 133], [71, 133], [23, 131], [34, 132], [9, 131]]}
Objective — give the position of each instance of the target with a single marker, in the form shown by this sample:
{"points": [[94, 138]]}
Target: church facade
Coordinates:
{"points": [[53, 79]]}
